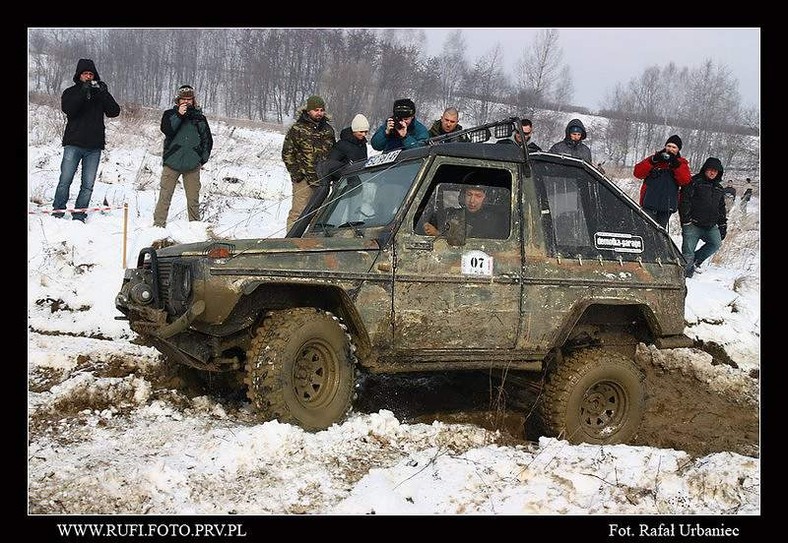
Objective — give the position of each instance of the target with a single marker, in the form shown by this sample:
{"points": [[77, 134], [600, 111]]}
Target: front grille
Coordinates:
{"points": [[165, 279]]}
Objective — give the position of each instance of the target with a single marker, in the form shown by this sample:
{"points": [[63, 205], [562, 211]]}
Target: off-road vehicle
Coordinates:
{"points": [[571, 278]]}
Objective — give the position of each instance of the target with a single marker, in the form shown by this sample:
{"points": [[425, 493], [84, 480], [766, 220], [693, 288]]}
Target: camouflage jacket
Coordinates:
{"points": [[306, 143]]}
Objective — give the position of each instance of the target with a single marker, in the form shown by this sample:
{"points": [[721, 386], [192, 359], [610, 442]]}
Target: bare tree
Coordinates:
{"points": [[451, 66], [539, 70], [484, 84]]}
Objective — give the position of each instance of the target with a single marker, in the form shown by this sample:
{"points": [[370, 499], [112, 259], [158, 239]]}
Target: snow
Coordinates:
{"points": [[135, 448]]}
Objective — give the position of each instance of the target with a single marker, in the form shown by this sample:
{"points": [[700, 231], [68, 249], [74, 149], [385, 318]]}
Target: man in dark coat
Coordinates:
{"points": [[572, 144], [702, 214], [663, 173], [350, 147], [85, 104], [188, 143]]}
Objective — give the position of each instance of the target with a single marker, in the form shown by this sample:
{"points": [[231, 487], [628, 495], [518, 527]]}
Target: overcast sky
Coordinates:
{"points": [[601, 57]]}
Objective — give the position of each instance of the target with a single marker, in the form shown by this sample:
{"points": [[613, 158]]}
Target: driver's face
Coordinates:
{"points": [[474, 199]]}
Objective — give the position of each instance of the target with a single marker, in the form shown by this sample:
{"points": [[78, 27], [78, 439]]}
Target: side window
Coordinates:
{"points": [[566, 208], [481, 196], [591, 219]]}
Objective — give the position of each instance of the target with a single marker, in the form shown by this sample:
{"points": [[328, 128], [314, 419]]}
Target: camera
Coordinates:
{"points": [[664, 155], [94, 83], [398, 123]]}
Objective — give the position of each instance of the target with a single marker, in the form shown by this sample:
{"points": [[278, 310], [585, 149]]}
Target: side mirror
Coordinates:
{"points": [[455, 230]]}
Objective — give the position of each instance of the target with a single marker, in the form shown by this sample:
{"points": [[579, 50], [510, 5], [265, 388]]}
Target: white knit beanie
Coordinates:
{"points": [[359, 124]]}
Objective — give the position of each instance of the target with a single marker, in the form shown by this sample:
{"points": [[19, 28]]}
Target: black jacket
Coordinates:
{"points": [[702, 201], [85, 107], [347, 149]]}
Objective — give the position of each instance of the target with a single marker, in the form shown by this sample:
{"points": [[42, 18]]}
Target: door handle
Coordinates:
{"points": [[420, 245]]}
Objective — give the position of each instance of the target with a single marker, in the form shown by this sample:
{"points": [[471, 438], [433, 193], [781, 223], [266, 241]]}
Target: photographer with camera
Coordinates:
{"points": [[663, 173], [187, 146], [85, 104], [401, 130]]}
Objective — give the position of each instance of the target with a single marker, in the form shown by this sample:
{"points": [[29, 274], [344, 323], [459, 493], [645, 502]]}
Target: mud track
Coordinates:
{"points": [[686, 409]]}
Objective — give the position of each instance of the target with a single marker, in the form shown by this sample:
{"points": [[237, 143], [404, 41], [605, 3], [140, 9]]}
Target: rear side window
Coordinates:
{"points": [[583, 216]]}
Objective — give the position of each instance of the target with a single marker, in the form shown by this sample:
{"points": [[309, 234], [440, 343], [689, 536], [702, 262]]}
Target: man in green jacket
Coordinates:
{"points": [[187, 146], [307, 142]]}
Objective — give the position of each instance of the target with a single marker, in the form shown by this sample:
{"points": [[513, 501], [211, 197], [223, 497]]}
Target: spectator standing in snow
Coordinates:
{"points": [[572, 144], [401, 130], [745, 199], [350, 147], [85, 104], [663, 173], [308, 141], [528, 130], [702, 214], [188, 143], [730, 196], [448, 123]]}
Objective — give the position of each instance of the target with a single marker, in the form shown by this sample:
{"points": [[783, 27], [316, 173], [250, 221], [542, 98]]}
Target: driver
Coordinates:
{"points": [[480, 222]]}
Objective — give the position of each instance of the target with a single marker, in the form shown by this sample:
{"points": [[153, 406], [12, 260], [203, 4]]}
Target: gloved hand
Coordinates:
{"points": [[674, 162], [102, 88], [659, 156], [723, 230]]}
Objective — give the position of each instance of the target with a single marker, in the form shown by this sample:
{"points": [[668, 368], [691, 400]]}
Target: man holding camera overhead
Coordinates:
{"points": [[401, 130], [85, 104], [662, 174], [187, 146]]}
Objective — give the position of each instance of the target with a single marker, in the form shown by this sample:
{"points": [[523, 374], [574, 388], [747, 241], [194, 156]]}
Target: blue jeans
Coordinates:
{"points": [[691, 234], [72, 156]]}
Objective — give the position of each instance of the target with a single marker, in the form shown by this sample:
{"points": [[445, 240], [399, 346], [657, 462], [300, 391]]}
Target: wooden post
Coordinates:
{"points": [[125, 222]]}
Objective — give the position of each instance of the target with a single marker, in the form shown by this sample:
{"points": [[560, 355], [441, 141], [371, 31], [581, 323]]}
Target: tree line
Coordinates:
{"points": [[267, 73]]}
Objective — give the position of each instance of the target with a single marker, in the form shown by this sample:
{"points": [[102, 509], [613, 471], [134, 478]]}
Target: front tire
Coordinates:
{"points": [[301, 368], [593, 396]]}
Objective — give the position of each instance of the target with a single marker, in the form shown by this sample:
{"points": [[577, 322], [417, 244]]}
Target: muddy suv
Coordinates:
{"points": [[556, 284]]}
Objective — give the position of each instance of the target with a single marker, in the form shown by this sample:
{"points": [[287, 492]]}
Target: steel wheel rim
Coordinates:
{"points": [[603, 408], [315, 375]]}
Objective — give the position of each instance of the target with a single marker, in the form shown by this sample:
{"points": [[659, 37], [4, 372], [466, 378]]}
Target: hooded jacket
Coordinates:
{"points": [[567, 146], [85, 107], [702, 199], [188, 141], [306, 143]]}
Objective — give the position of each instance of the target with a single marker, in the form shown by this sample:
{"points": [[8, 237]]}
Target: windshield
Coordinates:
{"points": [[367, 198]]}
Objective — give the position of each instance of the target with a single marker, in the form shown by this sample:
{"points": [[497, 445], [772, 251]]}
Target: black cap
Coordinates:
{"points": [[404, 107]]}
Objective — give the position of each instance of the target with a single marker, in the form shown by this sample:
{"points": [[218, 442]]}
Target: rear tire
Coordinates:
{"points": [[593, 396], [301, 368]]}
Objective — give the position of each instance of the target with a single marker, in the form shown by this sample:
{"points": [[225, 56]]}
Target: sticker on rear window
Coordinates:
{"points": [[618, 243]]}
